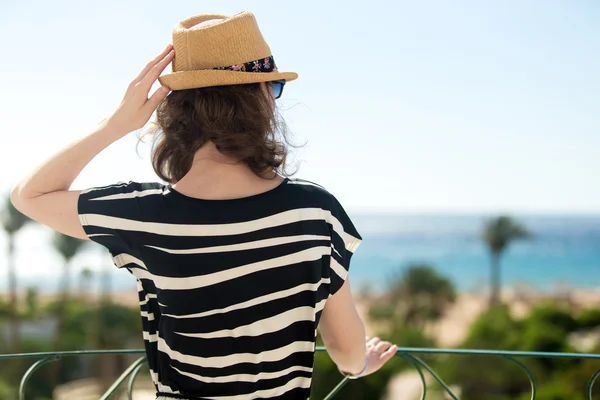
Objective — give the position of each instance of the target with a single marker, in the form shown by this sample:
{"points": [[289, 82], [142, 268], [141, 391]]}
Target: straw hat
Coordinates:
{"points": [[215, 50]]}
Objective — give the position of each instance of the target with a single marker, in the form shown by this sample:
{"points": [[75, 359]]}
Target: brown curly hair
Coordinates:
{"points": [[240, 120]]}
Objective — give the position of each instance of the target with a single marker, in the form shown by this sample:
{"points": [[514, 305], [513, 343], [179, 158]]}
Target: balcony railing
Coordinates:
{"points": [[409, 354]]}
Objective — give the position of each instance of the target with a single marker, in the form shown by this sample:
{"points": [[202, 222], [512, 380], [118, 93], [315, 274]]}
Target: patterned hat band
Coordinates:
{"points": [[266, 64]]}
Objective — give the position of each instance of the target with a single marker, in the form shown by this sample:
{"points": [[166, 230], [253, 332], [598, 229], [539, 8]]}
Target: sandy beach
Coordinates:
{"points": [[449, 330]]}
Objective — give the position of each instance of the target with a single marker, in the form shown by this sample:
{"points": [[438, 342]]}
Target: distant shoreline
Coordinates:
{"points": [[510, 294]]}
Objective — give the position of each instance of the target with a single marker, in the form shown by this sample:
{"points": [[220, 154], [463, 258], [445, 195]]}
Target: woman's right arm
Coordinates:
{"points": [[343, 334]]}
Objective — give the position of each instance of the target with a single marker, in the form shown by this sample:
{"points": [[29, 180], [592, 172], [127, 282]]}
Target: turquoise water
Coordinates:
{"points": [[562, 250]]}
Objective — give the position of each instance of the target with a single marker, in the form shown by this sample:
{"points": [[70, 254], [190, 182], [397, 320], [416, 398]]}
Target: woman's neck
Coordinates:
{"points": [[216, 176]]}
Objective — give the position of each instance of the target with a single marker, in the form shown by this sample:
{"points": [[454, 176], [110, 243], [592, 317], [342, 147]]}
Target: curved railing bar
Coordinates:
{"points": [[134, 375], [71, 353], [344, 381], [420, 371], [435, 376], [529, 375], [336, 389], [110, 391], [590, 385], [34, 367]]}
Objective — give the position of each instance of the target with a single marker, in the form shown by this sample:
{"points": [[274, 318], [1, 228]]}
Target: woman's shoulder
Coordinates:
{"points": [[318, 196], [303, 185], [316, 191]]}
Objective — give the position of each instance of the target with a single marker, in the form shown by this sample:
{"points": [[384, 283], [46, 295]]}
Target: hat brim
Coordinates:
{"points": [[182, 80]]}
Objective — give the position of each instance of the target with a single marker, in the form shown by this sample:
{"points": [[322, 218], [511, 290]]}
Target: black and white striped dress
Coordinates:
{"points": [[230, 291]]}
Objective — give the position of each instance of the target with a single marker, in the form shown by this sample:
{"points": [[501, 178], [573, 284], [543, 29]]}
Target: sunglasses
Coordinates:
{"points": [[277, 87]]}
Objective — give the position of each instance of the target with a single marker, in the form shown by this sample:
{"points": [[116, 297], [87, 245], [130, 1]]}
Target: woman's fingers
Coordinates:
{"points": [[382, 346], [154, 72], [389, 353], [152, 63], [373, 342]]}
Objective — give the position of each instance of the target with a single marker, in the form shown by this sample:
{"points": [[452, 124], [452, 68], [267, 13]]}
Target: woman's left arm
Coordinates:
{"points": [[44, 196]]}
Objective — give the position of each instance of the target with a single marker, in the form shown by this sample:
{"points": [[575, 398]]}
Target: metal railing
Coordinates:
{"points": [[409, 354]]}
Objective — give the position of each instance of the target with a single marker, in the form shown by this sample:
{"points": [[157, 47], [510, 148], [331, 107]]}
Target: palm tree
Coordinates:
{"points": [[498, 233], [32, 296], [12, 222], [85, 279], [67, 247]]}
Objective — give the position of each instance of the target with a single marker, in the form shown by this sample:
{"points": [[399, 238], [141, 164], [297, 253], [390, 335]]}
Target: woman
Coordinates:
{"points": [[235, 264]]}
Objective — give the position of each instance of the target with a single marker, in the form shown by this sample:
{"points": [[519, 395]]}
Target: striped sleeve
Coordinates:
{"points": [[345, 239], [104, 212]]}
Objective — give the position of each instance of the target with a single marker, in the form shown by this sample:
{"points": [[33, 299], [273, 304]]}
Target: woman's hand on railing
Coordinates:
{"points": [[378, 353]]}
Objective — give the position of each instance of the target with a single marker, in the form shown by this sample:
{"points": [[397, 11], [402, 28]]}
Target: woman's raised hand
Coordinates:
{"points": [[136, 107]]}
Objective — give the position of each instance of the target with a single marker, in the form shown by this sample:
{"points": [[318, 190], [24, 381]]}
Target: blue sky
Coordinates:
{"points": [[463, 106], [429, 106]]}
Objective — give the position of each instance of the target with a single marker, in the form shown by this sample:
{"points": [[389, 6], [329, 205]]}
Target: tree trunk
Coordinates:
{"points": [[60, 322], [495, 283], [105, 370], [106, 286], [15, 323]]}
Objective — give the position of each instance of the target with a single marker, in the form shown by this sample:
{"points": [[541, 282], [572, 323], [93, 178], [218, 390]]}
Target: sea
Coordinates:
{"points": [[563, 252]]}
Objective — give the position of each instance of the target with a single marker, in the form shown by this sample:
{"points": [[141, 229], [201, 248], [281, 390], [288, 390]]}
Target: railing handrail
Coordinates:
{"points": [[408, 353], [406, 350]]}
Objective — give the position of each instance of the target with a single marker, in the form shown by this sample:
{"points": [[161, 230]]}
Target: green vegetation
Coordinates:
{"points": [[545, 329]]}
